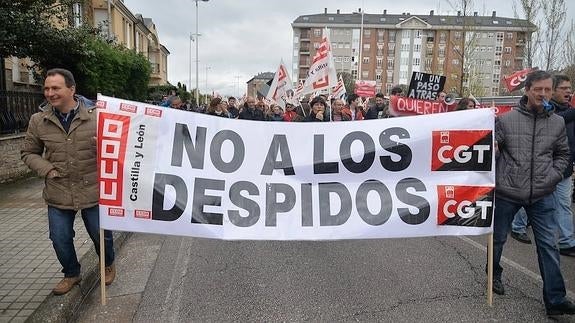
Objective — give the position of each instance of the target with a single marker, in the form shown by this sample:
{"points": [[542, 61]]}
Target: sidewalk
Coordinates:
{"points": [[28, 265]]}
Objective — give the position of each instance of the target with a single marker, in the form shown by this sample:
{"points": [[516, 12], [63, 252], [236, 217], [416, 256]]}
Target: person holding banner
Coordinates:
{"points": [[60, 145], [217, 108], [532, 154], [353, 110], [373, 112], [563, 214], [250, 112], [317, 113]]}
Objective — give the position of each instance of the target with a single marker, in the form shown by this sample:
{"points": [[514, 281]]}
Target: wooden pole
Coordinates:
{"points": [[102, 268], [490, 269]]}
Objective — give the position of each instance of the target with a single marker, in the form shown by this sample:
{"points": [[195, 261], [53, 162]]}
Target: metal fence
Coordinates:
{"points": [[16, 108]]}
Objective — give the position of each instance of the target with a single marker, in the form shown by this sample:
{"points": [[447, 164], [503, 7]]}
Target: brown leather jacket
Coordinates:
{"points": [[47, 146]]}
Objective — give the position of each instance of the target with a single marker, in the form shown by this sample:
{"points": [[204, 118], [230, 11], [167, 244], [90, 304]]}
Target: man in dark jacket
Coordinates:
{"points": [[563, 213], [379, 106], [532, 155], [250, 112], [60, 145]]}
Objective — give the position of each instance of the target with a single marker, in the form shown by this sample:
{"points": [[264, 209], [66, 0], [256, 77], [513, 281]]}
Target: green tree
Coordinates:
{"points": [[113, 70], [348, 82]]}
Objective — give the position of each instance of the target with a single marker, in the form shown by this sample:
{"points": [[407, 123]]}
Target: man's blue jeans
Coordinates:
{"points": [[519, 224], [61, 225], [564, 214], [540, 214]]}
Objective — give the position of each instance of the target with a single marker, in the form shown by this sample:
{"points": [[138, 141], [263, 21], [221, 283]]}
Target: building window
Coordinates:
{"points": [[416, 61], [378, 77], [405, 47], [390, 63], [389, 76], [490, 35], [416, 47], [406, 33], [316, 45], [339, 45], [509, 35], [441, 51], [392, 36], [346, 45], [379, 62], [507, 63], [455, 61], [508, 50], [457, 35], [366, 47], [367, 32], [442, 37], [365, 74], [366, 60], [317, 32]]}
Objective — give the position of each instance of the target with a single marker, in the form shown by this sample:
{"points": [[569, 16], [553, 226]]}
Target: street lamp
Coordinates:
{"points": [[207, 69], [190, 64], [197, 57]]}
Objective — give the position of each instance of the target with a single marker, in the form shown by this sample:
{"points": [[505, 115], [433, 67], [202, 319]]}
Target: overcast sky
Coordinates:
{"points": [[241, 38]]}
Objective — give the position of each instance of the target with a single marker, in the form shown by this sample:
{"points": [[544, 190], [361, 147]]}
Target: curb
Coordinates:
{"points": [[63, 308]]}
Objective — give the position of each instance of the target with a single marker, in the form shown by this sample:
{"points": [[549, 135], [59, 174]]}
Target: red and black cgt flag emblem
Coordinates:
{"points": [[462, 150], [469, 206]]}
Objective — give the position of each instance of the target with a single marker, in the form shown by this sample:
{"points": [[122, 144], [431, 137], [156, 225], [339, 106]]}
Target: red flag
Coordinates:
{"points": [[516, 80]]}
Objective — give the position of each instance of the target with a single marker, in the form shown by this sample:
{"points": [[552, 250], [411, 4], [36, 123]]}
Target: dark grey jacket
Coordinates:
{"points": [[533, 153]]}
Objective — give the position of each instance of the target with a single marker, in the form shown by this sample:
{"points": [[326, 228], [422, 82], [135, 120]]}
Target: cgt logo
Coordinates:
{"points": [[469, 206], [462, 150], [113, 134]]}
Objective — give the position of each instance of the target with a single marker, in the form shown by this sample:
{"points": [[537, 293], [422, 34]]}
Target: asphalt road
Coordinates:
{"points": [[439, 279]]}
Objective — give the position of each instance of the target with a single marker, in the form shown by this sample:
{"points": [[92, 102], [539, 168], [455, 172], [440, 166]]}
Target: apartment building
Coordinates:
{"points": [[118, 22], [133, 31], [387, 48]]}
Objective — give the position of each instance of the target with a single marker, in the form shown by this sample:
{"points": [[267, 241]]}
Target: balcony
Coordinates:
{"points": [[304, 36], [304, 63], [304, 49]]}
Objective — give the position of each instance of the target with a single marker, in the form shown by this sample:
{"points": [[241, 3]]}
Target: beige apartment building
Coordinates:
{"points": [[118, 22], [387, 48]]}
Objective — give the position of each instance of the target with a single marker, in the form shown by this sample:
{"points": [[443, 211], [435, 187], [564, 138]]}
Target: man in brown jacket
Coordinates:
{"points": [[60, 145]]}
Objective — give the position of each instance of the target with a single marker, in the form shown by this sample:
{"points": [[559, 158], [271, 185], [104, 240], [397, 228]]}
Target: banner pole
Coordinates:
{"points": [[490, 269], [102, 269]]}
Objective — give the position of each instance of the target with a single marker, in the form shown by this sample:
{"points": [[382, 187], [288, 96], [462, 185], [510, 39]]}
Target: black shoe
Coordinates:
{"points": [[521, 237], [498, 287], [570, 252], [566, 307]]}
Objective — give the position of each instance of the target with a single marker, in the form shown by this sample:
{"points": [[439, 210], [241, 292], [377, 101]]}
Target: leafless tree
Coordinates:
{"points": [[529, 10], [470, 82], [569, 52], [554, 15]]}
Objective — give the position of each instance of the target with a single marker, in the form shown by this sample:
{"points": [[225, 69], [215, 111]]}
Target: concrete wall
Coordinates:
{"points": [[11, 167]]}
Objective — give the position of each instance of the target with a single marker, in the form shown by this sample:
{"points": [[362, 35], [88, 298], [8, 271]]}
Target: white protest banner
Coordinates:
{"points": [[175, 172], [281, 89], [321, 74]]}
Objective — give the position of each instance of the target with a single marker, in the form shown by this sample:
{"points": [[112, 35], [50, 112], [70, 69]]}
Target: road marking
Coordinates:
{"points": [[175, 290], [512, 263]]}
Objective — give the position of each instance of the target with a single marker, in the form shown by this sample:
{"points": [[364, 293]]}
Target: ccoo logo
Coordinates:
{"points": [[462, 150], [470, 206]]}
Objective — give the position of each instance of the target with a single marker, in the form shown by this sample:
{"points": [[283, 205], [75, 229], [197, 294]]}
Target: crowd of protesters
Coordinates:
{"points": [[315, 109]]}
